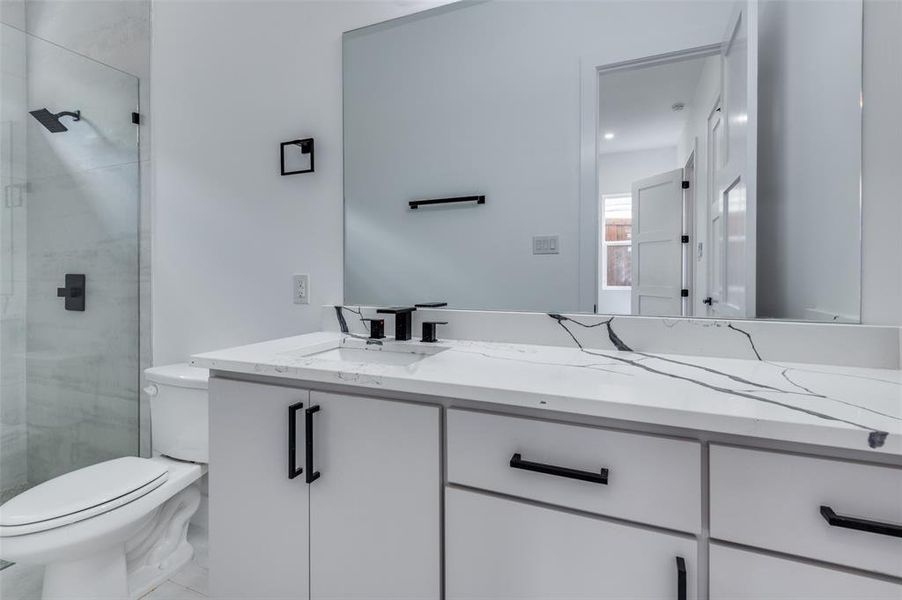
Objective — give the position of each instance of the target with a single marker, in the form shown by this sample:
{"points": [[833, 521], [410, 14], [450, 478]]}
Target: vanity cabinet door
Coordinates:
{"points": [[258, 515], [504, 549], [375, 507]]}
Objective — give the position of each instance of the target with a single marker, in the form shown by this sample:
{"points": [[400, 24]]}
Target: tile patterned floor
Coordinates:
{"points": [[20, 582]]}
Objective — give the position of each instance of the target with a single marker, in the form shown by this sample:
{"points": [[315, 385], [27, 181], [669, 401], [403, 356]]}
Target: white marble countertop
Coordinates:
{"points": [[840, 407]]}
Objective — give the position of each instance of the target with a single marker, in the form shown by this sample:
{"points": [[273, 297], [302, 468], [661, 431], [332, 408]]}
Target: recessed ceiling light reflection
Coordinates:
{"points": [[609, 135]]}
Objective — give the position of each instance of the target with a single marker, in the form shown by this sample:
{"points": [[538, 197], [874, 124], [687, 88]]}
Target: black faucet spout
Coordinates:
{"points": [[403, 320]]}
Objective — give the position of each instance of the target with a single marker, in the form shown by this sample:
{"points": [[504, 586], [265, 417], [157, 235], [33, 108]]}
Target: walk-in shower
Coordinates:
{"points": [[52, 120], [69, 379]]}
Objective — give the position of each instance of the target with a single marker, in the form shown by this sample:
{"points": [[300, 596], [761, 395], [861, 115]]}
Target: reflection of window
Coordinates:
{"points": [[617, 229]]}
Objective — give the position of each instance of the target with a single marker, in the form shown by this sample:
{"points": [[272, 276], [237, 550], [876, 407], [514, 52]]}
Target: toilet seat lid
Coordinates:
{"points": [[81, 494]]}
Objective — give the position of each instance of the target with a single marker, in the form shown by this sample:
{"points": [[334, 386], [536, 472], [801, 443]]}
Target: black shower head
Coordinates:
{"points": [[52, 121]]}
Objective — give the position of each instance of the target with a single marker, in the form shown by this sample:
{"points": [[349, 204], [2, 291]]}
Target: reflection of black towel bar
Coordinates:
{"points": [[415, 204]]}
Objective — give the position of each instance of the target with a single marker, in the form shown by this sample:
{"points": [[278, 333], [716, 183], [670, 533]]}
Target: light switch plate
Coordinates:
{"points": [[301, 289], [545, 244]]}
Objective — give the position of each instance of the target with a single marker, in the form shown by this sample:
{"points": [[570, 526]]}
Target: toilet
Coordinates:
{"points": [[117, 529]]}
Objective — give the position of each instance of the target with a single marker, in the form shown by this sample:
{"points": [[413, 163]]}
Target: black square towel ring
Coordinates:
{"points": [[292, 156]]}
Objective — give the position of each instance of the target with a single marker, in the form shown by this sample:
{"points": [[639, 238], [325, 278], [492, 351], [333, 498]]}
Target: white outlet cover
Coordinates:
{"points": [[300, 291]]}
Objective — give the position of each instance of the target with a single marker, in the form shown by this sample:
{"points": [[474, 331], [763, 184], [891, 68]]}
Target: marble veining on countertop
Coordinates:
{"points": [[842, 407]]}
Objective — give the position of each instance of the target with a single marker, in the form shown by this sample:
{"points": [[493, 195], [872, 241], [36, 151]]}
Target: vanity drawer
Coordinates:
{"points": [[773, 500], [744, 575], [650, 479]]}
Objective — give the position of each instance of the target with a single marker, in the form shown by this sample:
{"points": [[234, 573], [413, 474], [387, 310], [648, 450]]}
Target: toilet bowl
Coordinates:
{"points": [[116, 529]]}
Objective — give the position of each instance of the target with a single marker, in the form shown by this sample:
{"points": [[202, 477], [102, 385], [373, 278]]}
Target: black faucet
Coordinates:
{"points": [[403, 320]]}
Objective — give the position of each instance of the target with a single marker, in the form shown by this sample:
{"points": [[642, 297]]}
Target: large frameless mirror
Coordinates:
{"points": [[676, 158]]}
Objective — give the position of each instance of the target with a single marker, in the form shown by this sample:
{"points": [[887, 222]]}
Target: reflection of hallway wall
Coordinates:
{"points": [[616, 174], [809, 140]]}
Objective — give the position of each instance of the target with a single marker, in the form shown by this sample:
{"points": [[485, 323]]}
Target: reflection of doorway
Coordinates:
{"points": [[651, 124]]}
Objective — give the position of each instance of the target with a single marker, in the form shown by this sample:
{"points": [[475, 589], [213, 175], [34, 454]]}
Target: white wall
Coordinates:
{"points": [[231, 81], [616, 174], [809, 141]]}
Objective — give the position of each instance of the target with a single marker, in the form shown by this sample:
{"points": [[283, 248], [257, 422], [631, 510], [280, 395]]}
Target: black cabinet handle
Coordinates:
{"points": [[681, 578], [308, 424], [877, 527], [601, 477], [293, 470]]}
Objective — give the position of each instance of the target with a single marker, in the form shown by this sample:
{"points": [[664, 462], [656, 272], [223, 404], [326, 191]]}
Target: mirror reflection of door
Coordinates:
{"points": [[657, 248], [732, 140]]}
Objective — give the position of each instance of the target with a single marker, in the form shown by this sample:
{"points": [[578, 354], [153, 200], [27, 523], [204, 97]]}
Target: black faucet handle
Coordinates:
{"points": [[429, 330], [431, 304], [377, 328]]}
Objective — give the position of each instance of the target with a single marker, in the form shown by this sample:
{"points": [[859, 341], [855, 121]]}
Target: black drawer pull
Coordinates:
{"points": [[836, 520], [308, 424], [601, 477], [681, 578], [293, 470]]}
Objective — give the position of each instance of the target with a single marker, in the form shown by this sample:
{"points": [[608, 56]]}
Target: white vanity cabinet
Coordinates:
{"points": [[368, 525], [317, 495]]}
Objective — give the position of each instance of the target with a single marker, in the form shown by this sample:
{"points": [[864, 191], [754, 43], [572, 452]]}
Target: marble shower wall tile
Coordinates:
{"points": [[85, 189], [822, 343], [13, 235], [83, 217], [12, 12], [83, 367]]}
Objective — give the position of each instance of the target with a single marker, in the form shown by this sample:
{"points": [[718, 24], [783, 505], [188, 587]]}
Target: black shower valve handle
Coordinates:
{"points": [[73, 291]]}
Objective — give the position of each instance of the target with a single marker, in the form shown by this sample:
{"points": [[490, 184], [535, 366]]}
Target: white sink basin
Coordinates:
{"points": [[388, 353]]}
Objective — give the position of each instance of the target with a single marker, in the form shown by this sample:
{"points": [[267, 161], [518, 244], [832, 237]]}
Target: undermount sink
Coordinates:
{"points": [[388, 353]]}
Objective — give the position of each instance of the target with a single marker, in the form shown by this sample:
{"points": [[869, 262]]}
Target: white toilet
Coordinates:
{"points": [[118, 528]]}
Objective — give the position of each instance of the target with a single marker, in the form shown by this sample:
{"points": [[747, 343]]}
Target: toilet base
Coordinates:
{"points": [[161, 548], [150, 557], [100, 576]]}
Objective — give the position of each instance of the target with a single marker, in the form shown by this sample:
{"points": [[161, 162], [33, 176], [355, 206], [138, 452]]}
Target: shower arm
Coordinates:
{"points": [[76, 116]]}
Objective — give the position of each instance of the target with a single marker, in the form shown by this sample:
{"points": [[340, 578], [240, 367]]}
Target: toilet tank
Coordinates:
{"points": [[179, 412]]}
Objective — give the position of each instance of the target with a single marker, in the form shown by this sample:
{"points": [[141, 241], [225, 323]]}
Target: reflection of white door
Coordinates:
{"points": [[657, 248], [732, 138]]}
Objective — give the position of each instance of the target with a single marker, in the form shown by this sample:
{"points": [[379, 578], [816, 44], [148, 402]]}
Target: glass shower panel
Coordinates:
{"points": [[78, 216], [13, 103]]}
